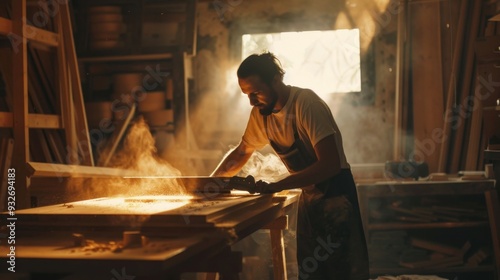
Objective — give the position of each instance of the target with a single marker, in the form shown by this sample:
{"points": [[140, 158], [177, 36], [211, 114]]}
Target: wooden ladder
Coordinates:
{"points": [[23, 36]]}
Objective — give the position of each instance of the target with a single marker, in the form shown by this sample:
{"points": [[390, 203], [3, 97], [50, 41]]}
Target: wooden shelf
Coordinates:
{"points": [[132, 57]]}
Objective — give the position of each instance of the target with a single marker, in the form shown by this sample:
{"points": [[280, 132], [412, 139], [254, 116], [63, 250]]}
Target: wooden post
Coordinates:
{"points": [[427, 91], [276, 228], [466, 92], [401, 81], [455, 65], [81, 127], [20, 103], [65, 98]]}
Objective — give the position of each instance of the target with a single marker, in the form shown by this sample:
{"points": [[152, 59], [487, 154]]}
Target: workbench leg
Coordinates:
{"points": [[276, 228], [494, 218], [278, 249]]}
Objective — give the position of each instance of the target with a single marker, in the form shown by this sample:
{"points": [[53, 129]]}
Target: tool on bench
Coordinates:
{"points": [[208, 184]]}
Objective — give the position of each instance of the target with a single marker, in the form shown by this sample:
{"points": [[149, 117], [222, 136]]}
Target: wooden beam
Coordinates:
{"points": [[34, 121], [20, 103], [399, 125], [159, 56], [455, 66], [81, 127], [67, 170], [35, 34], [44, 37], [427, 82], [44, 121], [474, 134]]}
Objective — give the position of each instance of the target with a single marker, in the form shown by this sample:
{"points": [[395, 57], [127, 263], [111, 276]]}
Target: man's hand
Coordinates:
{"points": [[264, 187]]}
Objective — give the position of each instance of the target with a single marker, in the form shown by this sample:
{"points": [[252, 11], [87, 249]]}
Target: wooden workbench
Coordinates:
{"points": [[44, 242]]}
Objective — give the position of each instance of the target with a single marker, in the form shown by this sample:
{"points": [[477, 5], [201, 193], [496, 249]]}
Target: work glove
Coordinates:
{"points": [[264, 187]]}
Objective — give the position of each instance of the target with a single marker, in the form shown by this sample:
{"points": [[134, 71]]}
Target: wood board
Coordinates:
{"points": [[143, 211]]}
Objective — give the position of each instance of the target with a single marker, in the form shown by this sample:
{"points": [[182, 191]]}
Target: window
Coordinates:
{"points": [[324, 61]]}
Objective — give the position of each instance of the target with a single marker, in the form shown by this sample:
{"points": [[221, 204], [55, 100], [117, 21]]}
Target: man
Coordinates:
{"points": [[302, 131]]}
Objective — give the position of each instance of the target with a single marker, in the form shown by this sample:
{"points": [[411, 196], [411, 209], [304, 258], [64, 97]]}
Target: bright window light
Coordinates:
{"points": [[324, 61]]}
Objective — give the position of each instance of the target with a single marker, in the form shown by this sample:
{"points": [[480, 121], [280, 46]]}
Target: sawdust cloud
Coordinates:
{"points": [[266, 167], [136, 155]]}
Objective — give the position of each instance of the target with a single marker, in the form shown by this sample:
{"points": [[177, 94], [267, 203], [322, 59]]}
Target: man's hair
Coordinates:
{"points": [[265, 65]]}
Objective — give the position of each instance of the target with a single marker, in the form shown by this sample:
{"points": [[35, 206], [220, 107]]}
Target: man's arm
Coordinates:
{"points": [[234, 161], [327, 165]]}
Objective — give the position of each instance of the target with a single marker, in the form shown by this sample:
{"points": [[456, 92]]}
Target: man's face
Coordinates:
{"points": [[259, 93]]}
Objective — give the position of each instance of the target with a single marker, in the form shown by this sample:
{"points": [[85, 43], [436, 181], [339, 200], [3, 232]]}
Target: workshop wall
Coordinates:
{"points": [[366, 119]]}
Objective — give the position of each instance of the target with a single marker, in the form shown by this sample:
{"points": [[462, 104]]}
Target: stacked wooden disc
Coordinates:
{"points": [[157, 107], [106, 27], [127, 90], [99, 114]]}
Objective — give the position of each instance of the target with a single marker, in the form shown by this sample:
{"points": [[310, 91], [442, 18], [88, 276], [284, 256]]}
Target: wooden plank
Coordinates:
{"points": [[20, 109], [7, 150], [44, 121], [401, 80], [427, 82], [160, 56], [35, 93], [43, 36], [56, 146], [44, 146], [474, 137], [66, 98], [68, 170], [34, 34], [450, 95], [80, 118], [41, 72], [34, 120], [465, 94]]}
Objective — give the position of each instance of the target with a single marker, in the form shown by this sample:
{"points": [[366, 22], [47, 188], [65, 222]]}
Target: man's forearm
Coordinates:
{"points": [[232, 163]]}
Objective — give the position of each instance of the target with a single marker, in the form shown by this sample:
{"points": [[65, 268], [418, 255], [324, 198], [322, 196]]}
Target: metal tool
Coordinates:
{"points": [[208, 184]]}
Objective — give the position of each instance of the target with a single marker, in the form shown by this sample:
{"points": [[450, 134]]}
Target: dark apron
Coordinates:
{"points": [[330, 238]]}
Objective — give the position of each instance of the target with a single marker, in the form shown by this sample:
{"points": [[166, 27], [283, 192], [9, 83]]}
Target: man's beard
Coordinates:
{"points": [[269, 109]]}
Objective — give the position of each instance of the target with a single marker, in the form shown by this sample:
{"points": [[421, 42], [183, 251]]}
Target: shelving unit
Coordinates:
{"points": [[153, 40], [397, 211], [41, 131]]}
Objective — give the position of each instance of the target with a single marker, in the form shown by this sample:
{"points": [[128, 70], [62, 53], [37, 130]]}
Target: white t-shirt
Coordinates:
{"points": [[314, 122]]}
